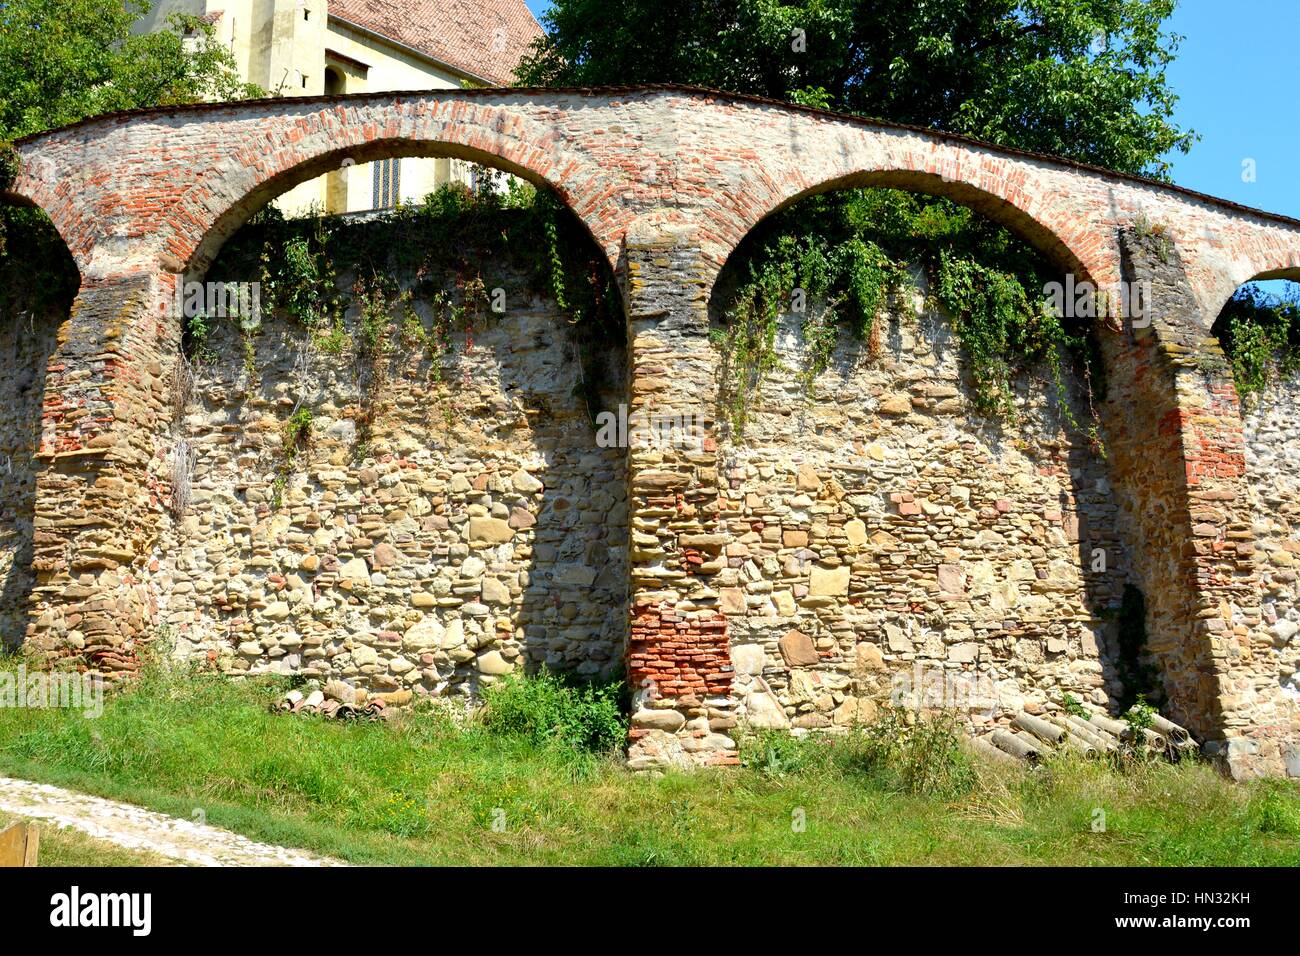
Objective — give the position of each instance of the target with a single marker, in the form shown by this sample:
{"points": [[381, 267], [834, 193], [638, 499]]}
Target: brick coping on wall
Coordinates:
{"points": [[688, 90]]}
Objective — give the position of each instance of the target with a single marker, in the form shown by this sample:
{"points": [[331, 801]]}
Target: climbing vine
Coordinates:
{"points": [[10, 164], [295, 435], [835, 261], [392, 336], [422, 281], [828, 286], [1002, 330], [300, 282]]}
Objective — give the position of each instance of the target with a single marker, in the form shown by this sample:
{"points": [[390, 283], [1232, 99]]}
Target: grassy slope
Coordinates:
{"points": [[427, 792]]}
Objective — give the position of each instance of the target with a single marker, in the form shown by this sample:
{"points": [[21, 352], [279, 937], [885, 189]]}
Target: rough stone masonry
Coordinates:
{"points": [[773, 587]]}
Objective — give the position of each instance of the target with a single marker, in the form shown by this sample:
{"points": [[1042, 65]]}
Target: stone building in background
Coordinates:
{"points": [[315, 47]]}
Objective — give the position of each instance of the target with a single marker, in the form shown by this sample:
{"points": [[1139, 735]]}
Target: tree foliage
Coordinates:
{"points": [[1082, 79], [64, 60]]}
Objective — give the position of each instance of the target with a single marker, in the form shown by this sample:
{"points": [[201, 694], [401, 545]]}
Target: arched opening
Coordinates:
{"points": [[38, 282], [922, 472], [994, 208], [385, 470], [381, 176], [515, 178], [1259, 330]]}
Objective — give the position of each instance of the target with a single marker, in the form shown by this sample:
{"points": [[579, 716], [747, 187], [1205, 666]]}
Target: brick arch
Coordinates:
{"points": [[229, 222], [1071, 246], [1145, 415], [1221, 255], [162, 189], [1285, 266], [244, 192], [1290, 272]]}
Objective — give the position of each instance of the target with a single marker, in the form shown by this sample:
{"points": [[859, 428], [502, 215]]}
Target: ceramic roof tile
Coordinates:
{"points": [[484, 38]]}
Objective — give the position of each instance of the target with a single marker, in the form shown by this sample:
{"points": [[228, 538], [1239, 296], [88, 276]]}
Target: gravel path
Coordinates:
{"points": [[135, 828]]}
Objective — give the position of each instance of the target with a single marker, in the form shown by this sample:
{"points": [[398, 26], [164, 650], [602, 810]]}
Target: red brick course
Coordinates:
{"points": [[679, 655]]}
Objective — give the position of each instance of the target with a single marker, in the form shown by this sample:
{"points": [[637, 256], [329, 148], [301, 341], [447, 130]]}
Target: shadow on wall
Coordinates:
{"points": [[479, 527], [38, 282], [27, 340], [574, 604], [975, 546]]}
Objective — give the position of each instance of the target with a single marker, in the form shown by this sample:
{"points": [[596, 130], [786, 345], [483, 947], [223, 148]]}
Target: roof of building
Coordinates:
{"points": [[481, 38]]}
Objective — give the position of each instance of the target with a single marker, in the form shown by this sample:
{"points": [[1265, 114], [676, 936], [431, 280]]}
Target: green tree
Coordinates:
{"points": [[64, 60], [1083, 79]]}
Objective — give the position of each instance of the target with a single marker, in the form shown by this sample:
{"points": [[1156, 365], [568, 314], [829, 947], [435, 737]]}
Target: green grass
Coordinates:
{"points": [[424, 790]]}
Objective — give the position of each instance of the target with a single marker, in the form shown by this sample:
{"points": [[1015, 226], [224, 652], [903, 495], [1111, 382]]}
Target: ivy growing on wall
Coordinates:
{"points": [[831, 286], [10, 164], [1260, 333], [299, 280], [1004, 329], [295, 435], [440, 254], [836, 260]]}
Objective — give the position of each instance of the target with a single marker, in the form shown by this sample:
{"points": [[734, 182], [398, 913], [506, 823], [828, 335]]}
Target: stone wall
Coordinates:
{"points": [[886, 540], [664, 181], [874, 536], [1179, 460], [1273, 484], [479, 527], [26, 341]]}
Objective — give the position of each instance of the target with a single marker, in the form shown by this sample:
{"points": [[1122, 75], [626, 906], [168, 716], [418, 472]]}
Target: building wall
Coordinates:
{"points": [[284, 48], [393, 69]]}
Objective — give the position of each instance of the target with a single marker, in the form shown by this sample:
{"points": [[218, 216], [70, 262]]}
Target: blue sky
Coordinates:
{"points": [[1240, 91]]}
